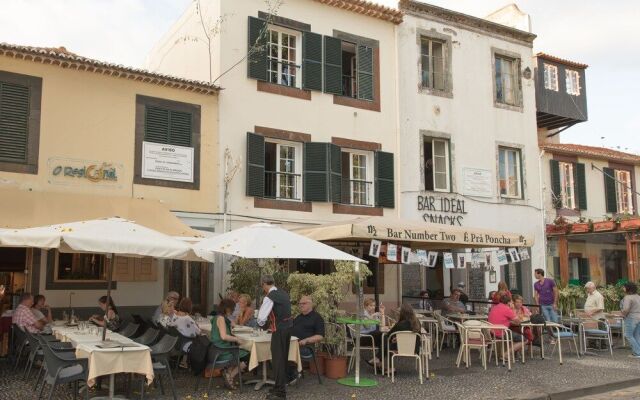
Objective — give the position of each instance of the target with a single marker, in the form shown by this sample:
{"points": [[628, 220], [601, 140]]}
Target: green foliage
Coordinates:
{"points": [[327, 292], [612, 295], [568, 296], [244, 275]]}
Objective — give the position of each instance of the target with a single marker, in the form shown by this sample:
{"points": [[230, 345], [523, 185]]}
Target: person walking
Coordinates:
{"points": [[631, 314], [276, 311]]}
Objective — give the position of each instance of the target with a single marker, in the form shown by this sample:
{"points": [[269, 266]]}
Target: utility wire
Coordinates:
{"points": [[614, 178]]}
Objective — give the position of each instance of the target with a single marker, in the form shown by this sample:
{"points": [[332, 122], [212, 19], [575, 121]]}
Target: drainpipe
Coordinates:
{"points": [[542, 207]]}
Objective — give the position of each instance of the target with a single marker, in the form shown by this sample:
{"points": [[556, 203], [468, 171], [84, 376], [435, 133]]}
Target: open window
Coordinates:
{"points": [[357, 178], [436, 165], [509, 172], [283, 56], [349, 70], [282, 170]]}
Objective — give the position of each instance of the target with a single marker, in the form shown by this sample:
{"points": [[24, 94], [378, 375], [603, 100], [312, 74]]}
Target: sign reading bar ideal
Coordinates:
{"points": [[166, 162], [449, 205]]}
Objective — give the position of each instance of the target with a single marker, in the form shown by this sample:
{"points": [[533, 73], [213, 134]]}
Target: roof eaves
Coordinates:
{"points": [[367, 8], [549, 57]]}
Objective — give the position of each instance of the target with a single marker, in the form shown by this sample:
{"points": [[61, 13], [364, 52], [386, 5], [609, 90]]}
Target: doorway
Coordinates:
{"points": [[177, 281]]}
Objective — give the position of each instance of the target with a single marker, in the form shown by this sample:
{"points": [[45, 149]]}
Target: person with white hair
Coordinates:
{"points": [[594, 305]]}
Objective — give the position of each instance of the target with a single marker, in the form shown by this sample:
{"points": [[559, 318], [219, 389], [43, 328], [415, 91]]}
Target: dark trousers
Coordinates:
{"points": [[280, 341]]}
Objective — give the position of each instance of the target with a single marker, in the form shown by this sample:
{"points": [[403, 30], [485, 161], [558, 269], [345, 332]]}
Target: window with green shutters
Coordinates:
{"points": [[311, 61], [14, 122], [610, 190], [384, 179], [568, 185], [255, 165], [167, 126], [257, 49]]}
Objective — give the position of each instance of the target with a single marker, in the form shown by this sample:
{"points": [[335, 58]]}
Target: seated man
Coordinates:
{"points": [[308, 327], [452, 304], [594, 305], [172, 297], [503, 314], [23, 316]]}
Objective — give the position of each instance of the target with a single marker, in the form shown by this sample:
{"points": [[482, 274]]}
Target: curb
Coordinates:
{"points": [[584, 391]]}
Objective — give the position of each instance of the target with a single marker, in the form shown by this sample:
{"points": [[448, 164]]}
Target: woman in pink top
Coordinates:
{"points": [[502, 314]]}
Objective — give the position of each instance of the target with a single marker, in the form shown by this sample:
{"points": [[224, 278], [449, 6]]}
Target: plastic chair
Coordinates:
{"points": [[565, 334], [54, 345], [447, 328], [406, 342], [213, 362], [425, 350], [471, 337], [63, 368], [372, 348], [129, 330], [601, 332], [149, 337], [160, 353], [20, 341]]}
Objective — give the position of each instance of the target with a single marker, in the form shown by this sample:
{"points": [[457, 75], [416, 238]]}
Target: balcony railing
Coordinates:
{"points": [[282, 185], [357, 192]]}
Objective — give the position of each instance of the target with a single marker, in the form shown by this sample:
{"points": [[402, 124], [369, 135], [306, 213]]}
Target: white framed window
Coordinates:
{"points": [[357, 178], [507, 80], [283, 170], [567, 185], [623, 191], [550, 77], [284, 57], [437, 174], [509, 172], [573, 82], [433, 66]]}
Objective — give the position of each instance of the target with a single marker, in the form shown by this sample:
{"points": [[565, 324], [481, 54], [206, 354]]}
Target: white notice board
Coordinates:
{"points": [[166, 162]]}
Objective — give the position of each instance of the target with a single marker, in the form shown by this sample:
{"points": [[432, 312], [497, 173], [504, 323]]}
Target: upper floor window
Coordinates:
{"points": [[509, 172], [507, 80], [623, 191], [282, 170], [357, 178], [436, 165], [433, 67], [550, 77], [567, 184], [283, 56], [573, 82]]}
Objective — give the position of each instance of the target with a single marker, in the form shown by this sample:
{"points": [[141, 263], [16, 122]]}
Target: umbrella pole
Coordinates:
{"points": [[188, 274], [112, 259]]}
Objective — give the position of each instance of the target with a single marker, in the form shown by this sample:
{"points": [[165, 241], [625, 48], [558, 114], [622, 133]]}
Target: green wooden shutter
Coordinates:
{"points": [[610, 190], [365, 72], [311, 61], [332, 65], [384, 179], [257, 49], [316, 171], [179, 128], [336, 173], [14, 122], [156, 125], [581, 186], [255, 165], [556, 189]]}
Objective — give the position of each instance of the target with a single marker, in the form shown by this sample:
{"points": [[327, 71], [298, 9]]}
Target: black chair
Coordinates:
{"points": [[311, 357], [213, 362], [20, 342], [160, 353], [149, 337], [63, 368], [56, 346], [178, 351], [129, 330]]}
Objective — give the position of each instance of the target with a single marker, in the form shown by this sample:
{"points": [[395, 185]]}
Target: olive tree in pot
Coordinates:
{"points": [[244, 275], [328, 291]]}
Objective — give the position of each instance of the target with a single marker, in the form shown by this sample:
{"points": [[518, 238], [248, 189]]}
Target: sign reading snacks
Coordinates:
{"points": [[167, 162], [72, 171], [436, 206]]}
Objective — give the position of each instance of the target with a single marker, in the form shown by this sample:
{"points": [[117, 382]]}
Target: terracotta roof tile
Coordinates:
{"points": [[63, 58], [601, 153], [368, 8], [561, 60]]}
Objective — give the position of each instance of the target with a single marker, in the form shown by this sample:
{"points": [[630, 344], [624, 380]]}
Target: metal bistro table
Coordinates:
{"points": [[432, 323], [549, 324], [580, 322], [357, 380], [466, 317]]}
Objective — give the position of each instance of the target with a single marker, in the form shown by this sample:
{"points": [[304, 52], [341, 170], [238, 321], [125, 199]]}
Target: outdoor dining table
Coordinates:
{"points": [[432, 325], [259, 348], [506, 331], [130, 358], [465, 317], [552, 325]]}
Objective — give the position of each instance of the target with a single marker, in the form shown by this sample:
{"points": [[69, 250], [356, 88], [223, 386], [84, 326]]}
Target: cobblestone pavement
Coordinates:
{"points": [[622, 394], [534, 379]]}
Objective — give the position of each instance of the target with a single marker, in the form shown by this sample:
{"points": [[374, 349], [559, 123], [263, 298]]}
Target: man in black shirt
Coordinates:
{"points": [[308, 327]]}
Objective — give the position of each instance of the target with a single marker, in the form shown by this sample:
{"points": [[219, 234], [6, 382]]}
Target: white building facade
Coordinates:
{"points": [[468, 147]]}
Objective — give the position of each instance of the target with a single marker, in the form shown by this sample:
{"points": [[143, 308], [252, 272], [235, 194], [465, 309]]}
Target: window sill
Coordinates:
{"points": [[371, 105], [510, 107], [435, 92], [512, 200], [19, 168], [283, 90], [357, 210], [288, 205]]}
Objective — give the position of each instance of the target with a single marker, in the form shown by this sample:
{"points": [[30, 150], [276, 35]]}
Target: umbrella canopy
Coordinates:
{"points": [[268, 241], [111, 235]]}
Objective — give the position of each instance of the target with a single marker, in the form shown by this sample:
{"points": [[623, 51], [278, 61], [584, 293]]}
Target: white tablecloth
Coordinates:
{"points": [[260, 348], [135, 360]]}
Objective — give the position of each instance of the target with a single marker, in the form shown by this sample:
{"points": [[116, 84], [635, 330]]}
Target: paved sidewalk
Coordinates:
{"points": [[622, 394], [534, 380]]}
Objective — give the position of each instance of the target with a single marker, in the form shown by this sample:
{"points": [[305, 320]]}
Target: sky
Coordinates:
{"points": [[603, 34]]}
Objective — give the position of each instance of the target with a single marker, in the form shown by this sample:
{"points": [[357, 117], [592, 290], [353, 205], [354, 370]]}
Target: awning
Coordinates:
{"points": [[27, 209], [423, 235]]}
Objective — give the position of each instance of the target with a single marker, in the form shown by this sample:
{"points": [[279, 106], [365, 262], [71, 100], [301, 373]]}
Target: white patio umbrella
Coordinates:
{"points": [[111, 236], [268, 241]]}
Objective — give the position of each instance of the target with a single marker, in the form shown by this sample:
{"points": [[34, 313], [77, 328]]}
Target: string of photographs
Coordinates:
{"points": [[484, 259]]}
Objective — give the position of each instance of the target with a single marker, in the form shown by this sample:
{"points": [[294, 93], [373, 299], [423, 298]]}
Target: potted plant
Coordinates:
{"points": [[560, 226], [629, 221], [609, 224], [582, 226], [568, 296], [328, 291]]}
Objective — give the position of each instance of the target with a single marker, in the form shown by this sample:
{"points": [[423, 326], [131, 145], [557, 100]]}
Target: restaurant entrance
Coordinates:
{"points": [[197, 286], [13, 263]]}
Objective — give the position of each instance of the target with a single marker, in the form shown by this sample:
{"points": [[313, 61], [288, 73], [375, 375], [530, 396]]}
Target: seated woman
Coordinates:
{"points": [[41, 309], [167, 313], [110, 318], [503, 314], [407, 321], [502, 289], [245, 316], [523, 314], [184, 323], [221, 337]]}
